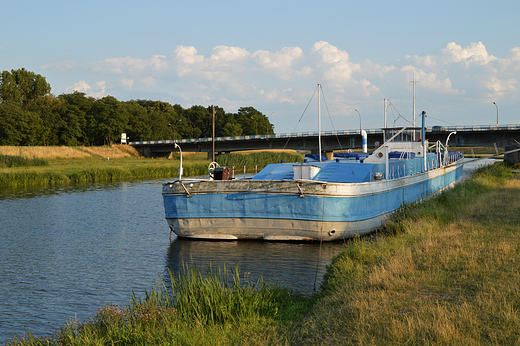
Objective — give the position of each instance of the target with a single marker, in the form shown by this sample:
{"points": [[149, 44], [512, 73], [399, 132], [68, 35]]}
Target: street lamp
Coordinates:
{"points": [[267, 126], [359, 119], [497, 110]]}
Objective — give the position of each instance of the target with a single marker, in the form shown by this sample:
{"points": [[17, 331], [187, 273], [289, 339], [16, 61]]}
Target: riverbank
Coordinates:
{"points": [[115, 163], [445, 271]]}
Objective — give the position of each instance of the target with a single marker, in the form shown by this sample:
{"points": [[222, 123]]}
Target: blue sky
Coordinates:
{"points": [[272, 54]]}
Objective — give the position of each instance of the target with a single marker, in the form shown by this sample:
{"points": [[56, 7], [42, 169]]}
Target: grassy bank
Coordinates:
{"points": [[444, 272], [24, 166]]}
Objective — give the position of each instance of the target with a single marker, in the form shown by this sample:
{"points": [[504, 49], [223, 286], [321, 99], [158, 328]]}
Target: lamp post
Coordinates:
{"points": [[497, 110], [267, 126], [359, 119]]}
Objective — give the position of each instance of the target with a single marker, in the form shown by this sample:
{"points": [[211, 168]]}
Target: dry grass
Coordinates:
{"points": [[115, 151], [49, 153], [438, 283]]}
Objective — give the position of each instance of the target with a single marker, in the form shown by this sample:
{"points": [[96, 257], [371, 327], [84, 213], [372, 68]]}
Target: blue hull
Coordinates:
{"points": [[345, 209]]}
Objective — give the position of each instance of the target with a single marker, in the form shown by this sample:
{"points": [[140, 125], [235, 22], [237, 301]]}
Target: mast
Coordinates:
{"points": [[384, 131], [413, 111], [319, 122], [213, 136]]}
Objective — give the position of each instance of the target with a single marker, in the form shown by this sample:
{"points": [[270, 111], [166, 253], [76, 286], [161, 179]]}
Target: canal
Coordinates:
{"points": [[67, 251]]}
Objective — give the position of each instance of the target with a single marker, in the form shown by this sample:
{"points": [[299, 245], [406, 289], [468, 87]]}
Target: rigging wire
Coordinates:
{"points": [[330, 118], [400, 116], [301, 117]]}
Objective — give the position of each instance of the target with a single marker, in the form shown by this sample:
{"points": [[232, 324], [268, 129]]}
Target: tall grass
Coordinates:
{"points": [[99, 174], [7, 161], [187, 310]]}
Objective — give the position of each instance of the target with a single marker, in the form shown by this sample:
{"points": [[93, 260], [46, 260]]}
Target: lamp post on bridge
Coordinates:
{"points": [[497, 110], [359, 119]]}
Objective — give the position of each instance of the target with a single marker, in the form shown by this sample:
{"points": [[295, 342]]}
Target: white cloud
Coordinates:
{"points": [[475, 53], [335, 64], [61, 66], [99, 90], [231, 76], [499, 86], [430, 80], [127, 82], [81, 86], [228, 53]]}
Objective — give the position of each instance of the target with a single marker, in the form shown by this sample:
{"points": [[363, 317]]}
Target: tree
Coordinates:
{"points": [[19, 126], [22, 87], [111, 119], [252, 121], [232, 129], [77, 123]]}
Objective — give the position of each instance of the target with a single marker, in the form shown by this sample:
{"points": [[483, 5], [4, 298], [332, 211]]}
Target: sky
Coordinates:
{"points": [[272, 54]]}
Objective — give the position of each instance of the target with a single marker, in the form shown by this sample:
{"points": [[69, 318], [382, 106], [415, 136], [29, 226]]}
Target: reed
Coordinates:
{"points": [[193, 308], [8, 161]]}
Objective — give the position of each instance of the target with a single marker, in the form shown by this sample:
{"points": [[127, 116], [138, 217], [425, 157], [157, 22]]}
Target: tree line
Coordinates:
{"points": [[31, 115]]}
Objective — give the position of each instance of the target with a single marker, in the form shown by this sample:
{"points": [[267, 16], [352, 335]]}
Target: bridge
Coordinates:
{"points": [[330, 140]]}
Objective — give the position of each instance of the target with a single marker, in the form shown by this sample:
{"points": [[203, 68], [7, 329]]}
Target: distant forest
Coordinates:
{"points": [[31, 115]]}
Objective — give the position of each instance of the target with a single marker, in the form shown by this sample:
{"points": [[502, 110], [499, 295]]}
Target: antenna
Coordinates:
{"points": [[413, 111]]}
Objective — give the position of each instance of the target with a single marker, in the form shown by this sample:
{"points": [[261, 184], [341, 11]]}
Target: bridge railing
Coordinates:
{"points": [[506, 127]]}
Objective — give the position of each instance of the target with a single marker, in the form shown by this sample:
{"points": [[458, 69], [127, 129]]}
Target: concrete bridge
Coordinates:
{"points": [[487, 136]]}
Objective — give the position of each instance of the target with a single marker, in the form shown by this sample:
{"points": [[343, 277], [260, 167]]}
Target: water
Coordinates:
{"points": [[69, 250]]}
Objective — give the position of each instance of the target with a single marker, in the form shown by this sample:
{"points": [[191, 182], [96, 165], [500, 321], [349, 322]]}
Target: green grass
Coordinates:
{"points": [[219, 307], [97, 169], [8, 161]]}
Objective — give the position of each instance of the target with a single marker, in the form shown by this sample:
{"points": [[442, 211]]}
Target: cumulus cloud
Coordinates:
{"points": [[236, 76], [280, 64], [431, 81], [475, 53], [81, 86], [500, 85], [99, 90], [334, 63]]}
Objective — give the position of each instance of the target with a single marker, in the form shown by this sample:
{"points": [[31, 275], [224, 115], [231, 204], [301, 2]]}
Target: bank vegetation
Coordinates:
{"points": [[43, 165]]}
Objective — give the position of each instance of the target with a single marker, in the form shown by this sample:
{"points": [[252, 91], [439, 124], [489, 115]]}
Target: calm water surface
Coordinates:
{"points": [[67, 251]]}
